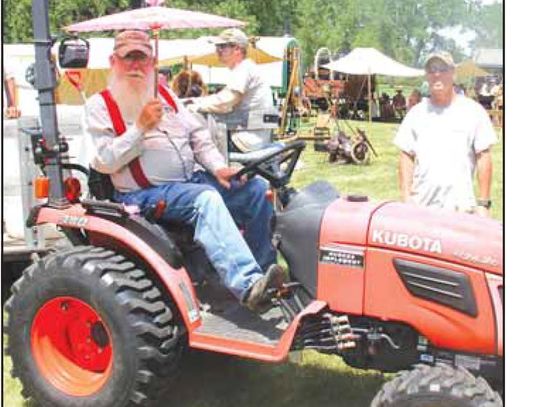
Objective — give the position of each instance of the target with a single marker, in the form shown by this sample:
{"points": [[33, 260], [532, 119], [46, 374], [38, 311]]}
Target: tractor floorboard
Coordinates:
{"points": [[223, 316]]}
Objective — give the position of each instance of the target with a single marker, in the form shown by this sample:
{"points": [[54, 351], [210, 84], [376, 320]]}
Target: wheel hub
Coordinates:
{"points": [[72, 346]]}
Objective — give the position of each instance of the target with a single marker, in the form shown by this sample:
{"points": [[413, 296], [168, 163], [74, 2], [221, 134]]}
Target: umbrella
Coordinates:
{"points": [[154, 18]]}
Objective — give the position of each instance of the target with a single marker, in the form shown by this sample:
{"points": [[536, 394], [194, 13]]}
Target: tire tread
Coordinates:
{"points": [[156, 332], [451, 382]]}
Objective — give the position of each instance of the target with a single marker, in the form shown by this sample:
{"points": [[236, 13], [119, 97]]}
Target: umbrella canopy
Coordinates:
{"points": [[154, 18], [369, 61], [468, 69]]}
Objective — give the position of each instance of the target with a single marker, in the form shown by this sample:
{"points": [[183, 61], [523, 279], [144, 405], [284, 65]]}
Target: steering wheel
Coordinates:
{"points": [[269, 166]]}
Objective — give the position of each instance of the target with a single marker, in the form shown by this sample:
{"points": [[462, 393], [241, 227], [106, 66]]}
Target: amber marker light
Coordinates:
{"points": [[41, 187]]}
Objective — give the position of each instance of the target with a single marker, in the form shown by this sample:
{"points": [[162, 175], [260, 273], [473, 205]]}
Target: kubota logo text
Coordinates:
{"points": [[407, 241]]}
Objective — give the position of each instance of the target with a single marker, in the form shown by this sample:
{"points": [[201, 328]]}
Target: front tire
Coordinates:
{"points": [[436, 386], [86, 327]]}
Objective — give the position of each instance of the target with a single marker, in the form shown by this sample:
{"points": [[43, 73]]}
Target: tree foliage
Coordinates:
{"points": [[404, 29]]}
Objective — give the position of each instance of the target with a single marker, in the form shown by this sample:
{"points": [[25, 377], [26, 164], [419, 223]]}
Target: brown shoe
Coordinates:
{"points": [[258, 299]]}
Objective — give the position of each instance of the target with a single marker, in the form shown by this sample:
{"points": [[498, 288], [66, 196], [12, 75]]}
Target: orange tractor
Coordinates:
{"points": [[385, 285]]}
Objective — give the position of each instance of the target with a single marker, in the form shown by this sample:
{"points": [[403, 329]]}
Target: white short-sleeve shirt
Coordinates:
{"points": [[445, 142], [256, 93]]}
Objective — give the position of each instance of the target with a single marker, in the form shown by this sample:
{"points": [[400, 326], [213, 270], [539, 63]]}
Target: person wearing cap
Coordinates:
{"points": [[443, 140], [156, 151], [246, 97]]}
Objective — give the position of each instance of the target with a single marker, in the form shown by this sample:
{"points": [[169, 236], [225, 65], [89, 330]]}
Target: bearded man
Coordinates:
{"points": [[155, 150]]}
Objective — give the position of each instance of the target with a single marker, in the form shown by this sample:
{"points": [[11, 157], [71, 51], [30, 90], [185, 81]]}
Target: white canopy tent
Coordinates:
{"points": [[370, 61]]}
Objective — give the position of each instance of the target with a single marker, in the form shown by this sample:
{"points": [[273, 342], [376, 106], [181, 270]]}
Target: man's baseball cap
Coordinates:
{"points": [[231, 36], [444, 56], [132, 40]]}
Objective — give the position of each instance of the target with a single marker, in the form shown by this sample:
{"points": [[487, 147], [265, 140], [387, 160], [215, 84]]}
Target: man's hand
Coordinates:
{"points": [[224, 175], [13, 112], [150, 115]]}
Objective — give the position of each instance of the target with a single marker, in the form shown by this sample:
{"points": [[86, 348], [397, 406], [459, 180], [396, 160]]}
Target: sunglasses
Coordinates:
{"points": [[436, 68], [223, 46]]}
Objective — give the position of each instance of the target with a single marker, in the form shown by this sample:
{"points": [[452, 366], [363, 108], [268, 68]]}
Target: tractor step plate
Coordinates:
{"points": [[223, 316], [237, 322]]}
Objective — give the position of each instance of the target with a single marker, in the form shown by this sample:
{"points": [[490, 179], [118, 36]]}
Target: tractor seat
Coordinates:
{"points": [[172, 240]]}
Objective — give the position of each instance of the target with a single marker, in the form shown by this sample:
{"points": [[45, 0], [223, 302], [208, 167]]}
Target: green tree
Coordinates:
{"points": [[488, 26], [403, 29], [61, 13]]}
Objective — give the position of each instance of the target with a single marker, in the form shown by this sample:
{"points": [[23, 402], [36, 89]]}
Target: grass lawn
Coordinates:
{"points": [[210, 380]]}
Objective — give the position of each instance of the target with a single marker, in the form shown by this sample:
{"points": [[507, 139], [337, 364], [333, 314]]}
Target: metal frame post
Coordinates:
{"points": [[45, 84]]}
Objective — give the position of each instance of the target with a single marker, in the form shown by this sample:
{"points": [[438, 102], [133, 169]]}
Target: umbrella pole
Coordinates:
{"points": [[155, 33]]}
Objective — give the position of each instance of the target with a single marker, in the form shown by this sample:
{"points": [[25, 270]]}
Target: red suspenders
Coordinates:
{"points": [[168, 98], [120, 127]]}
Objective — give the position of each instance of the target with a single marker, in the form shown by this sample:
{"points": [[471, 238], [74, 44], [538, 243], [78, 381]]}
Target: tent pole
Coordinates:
{"points": [[369, 102]]}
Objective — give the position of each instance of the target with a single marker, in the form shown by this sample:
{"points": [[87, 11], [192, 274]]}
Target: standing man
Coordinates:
{"points": [[246, 97], [157, 151], [400, 104], [443, 140]]}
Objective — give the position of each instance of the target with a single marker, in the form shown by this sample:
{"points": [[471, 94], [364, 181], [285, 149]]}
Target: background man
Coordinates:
{"points": [[400, 104], [161, 152], [246, 97], [443, 140]]}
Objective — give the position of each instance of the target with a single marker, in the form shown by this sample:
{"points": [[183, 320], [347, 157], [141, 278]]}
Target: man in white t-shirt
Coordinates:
{"points": [[246, 98], [443, 140]]}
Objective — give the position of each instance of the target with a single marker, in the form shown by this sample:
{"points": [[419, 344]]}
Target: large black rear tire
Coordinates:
{"points": [[131, 340], [436, 386]]}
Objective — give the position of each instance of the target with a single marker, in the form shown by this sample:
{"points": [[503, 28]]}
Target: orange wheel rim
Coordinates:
{"points": [[72, 346]]}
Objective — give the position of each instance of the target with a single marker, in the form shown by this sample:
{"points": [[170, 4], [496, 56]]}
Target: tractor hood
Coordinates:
{"points": [[455, 237]]}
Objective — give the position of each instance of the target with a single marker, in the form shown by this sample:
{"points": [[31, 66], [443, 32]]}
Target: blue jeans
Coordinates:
{"points": [[205, 204]]}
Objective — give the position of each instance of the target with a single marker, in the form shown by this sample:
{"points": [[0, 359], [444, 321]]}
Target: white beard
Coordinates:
{"points": [[131, 97]]}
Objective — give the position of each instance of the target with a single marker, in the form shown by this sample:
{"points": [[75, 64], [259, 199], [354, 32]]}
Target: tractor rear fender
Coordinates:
{"points": [[175, 281]]}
